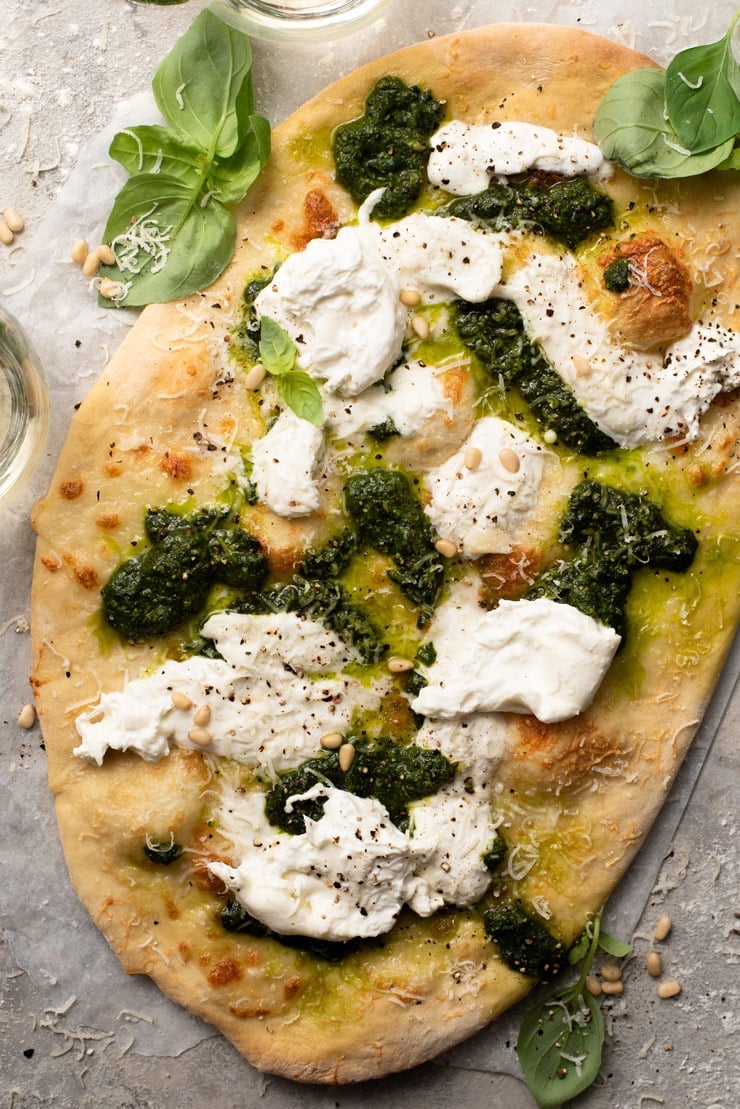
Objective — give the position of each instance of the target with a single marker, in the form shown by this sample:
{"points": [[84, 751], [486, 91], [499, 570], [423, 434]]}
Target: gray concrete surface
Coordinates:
{"points": [[63, 69]]}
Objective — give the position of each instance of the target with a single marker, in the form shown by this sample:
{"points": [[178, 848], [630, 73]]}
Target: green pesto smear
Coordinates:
{"points": [[614, 534], [388, 146], [154, 592]]}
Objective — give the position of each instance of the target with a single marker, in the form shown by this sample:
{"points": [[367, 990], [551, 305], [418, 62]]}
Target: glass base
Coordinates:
{"points": [[298, 20], [24, 409]]}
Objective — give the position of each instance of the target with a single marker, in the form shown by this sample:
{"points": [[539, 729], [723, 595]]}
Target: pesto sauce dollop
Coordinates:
{"points": [[392, 774], [615, 533], [388, 516], [152, 593], [388, 146], [568, 211]]}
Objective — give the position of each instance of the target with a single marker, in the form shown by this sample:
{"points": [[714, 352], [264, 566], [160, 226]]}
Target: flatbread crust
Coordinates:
{"points": [[163, 421]]}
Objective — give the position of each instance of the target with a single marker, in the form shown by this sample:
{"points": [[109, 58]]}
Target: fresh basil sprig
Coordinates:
{"points": [[679, 122], [170, 229], [561, 1038], [296, 388]]}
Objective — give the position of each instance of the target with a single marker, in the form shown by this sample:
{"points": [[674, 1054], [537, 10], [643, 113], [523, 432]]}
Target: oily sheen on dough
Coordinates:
{"points": [[162, 421]]}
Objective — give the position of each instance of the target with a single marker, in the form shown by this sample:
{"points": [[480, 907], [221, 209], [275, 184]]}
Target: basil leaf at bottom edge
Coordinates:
{"points": [[199, 240], [547, 1032]]}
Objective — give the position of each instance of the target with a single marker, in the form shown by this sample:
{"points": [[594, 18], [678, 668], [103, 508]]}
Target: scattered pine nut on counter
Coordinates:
{"points": [[669, 989], [654, 964], [14, 219], [79, 252], [662, 928], [27, 716]]}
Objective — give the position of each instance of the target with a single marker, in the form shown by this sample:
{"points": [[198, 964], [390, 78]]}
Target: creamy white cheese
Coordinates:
{"points": [[465, 156], [340, 305], [480, 509], [539, 657], [268, 708], [636, 397], [410, 395], [441, 258], [284, 463], [348, 875], [456, 826]]}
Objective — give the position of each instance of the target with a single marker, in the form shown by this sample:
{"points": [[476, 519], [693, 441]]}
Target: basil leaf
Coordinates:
{"points": [[613, 946], [702, 94], [197, 84], [300, 392], [631, 129], [561, 1026], [261, 128], [277, 349], [732, 161], [196, 241], [231, 177], [579, 949], [155, 149]]}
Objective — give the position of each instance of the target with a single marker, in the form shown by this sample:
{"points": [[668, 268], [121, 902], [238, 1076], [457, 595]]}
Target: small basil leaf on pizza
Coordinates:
{"points": [[276, 348], [301, 394]]}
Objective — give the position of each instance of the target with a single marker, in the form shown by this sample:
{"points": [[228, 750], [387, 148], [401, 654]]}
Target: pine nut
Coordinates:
{"points": [[610, 973], [593, 986], [509, 459], [398, 665], [550, 436], [14, 219], [109, 289], [106, 255], [202, 716], [181, 701], [410, 297], [79, 252], [611, 989], [446, 548], [346, 756], [332, 741], [201, 737], [254, 377], [654, 964], [91, 264], [473, 458], [662, 928], [27, 716], [420, 326], [582, 365], [669, 989], [6, 235]]}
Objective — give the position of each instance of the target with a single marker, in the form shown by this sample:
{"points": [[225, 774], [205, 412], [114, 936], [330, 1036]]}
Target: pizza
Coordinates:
{"points": [[354, 722]]}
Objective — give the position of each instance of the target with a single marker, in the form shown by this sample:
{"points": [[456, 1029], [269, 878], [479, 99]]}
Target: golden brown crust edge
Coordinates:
{"points": [[554, 75]]}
